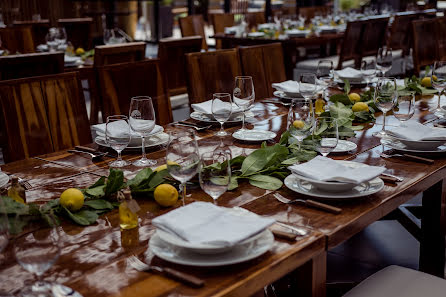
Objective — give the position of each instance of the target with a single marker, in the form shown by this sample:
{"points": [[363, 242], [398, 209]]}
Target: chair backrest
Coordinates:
{"points": [[221, 21], [424, 47], [255, 18], [239, 6], [400, 36], [78, 31], [172, 52], [441, 38], [373, 35], [266, 66], [193, 25], [350, 47], [26, 65], [119, 53], [120, 82], [211, 72], [42, 115], [17, 39]]}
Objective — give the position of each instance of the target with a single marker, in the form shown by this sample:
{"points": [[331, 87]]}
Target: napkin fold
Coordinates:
{"points": [[289, 86], [100, 130], [349, 73], [206, 107], [415, 131], [326, 169], [204, 222]]}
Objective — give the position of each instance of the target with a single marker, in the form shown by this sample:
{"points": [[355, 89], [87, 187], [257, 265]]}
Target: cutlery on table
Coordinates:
{"points": [[175, 274], [278, 102], [196, 127], [22, 181], [94, 156], [300, 231], [86, 149], [284, 235], [309, 202], [391, 154]]}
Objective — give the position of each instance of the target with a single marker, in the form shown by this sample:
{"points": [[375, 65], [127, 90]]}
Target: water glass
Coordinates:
{"points": [[385, 98], [438, 79], [324, 74], [51, 39], [384, 60], [113, 36], [325, 135], [300, 119], [215, 173], [142, 121], [221, 110], [117, 136], [61, 36], [307, 85], [244, 95], [368, 70], [404, 108]]}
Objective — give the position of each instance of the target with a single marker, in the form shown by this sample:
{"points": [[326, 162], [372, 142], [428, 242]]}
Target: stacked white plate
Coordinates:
{"points": [[156, 137], [72, 60]]}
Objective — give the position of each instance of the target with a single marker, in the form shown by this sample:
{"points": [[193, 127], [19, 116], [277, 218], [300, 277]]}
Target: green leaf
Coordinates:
{"points": [[284, 138], [265, 182], [13, 207], [83, 217], [233, 184], [96, 192], [158, 178], [140, 177], [290, 161], [346, 86], [99, 204], [340, 111], [262, 158], [343, 98], [99, 182], [115, 182], [50, 206]]}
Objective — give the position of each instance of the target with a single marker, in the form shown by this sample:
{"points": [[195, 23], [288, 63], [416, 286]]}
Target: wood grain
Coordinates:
{"points": [[193, 25], [17, 40]]}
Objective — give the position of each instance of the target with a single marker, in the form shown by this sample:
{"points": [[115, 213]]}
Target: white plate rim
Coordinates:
{"points": [[4, 179], [346, 142], [165, 139], [404, 141], [386, 143], [197, 116], [272, 135]]}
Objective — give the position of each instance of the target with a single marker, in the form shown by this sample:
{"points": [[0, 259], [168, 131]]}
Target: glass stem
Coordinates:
{"points": [[384, 121], [183, 185], [143, 147], [221, 128], [243, 121], [119, 156], [439, 99]]}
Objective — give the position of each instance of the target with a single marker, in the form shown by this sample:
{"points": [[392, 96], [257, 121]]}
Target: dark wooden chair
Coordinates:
{"points": [[211, 72], [373, 35], [193, 25], [172, 52], [79, 31], [441, 38], [255, 18], [26, 65], [424, 48], [220, 21], [266, 66], [400, 36], [43, 114], [120, 82], [17, 39], [351, 44], [119, 53]]}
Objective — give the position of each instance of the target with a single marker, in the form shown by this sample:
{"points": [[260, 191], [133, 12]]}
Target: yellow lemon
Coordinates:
{"points": [[80, 51], [426, 82], [298, 124], [360, 106], [166, 195], [164, 166], [301, 28], [73, 199], [354, 97], [434, 77]]}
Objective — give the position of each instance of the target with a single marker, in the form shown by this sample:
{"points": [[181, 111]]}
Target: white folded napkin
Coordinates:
{"points": [[289, 86], [206, 107], [415, 131], [204, 222], [100, 130], [349, 73], [326, 169]]}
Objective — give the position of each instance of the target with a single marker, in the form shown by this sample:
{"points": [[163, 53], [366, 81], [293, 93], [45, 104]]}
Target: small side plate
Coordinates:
{"points": [[254, 135]]}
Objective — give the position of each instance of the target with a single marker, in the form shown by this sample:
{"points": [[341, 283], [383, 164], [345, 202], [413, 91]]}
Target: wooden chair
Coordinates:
{"points": [[42, 115], [18, 39], [373, 35], [26, 65], [266, 66], [400, 36], [78, 31], [193, 25], [351, 44], [119, 53], [255, 18], [172, 52], [220, 21], [120, 82], [211, 72], [441, 38], [425, 45]]}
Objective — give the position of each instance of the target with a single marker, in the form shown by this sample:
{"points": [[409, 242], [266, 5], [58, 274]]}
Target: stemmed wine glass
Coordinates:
{"points": [[307, 85], [300, 119], [182, 157], [215, 173], [113, 36], [51, 39], [438, 79], [385, 98], [325, 135], [404, 108], [324, 74], [368, 70], [61, 36], [244, 95], [117, 136], [221, 110], [142, 121], [384, 60]]}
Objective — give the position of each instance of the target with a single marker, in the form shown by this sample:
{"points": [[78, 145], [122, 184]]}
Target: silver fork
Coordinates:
{"points": [[192, 126], [309, 202], [175, 274], [22, 181], [278, 102], [407, 156]]}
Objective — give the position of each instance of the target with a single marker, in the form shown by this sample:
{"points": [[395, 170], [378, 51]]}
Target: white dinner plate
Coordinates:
{"points": [[64, 291], [256, 34], [153, 140], [423, 145], [238, 254], [4, 179], [294, 183], [344, 146], [397, 145], [254, 135], [288, 96], [209, 118]]}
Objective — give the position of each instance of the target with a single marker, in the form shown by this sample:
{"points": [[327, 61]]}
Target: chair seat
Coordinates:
{"points": [[396, 281]]}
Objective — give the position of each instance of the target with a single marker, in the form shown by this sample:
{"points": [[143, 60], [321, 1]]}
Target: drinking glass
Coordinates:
{"points": [[368, 70], [324, 74], [182, 157], [36, 251], [221, 110], [117, 136], [61, 36], [384, 60], [307, 85], [325, 135], [215, 178], [300, 119], [244, 95], [385, 98], [438, 79], [142, 121], [113, 36], [51, 39], [404, 108]]}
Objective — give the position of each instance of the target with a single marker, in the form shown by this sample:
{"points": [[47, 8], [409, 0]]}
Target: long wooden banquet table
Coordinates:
{"points": [[93, 259]]}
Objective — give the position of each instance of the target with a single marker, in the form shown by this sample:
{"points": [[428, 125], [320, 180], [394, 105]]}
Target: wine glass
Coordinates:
{"points": [[368, 70], [404, 108], [113, 36], [215, 173], [300, 119], [182, 157], [221, 110], [61, 36], [142, 121], [384, 60], [244, 95], [325, 135], [385, 98], [307, 85], [51, 39], [438, 79], [324, 74], [117, 136], [36, 250]]}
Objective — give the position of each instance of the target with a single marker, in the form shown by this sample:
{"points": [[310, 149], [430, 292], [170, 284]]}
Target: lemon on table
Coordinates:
{"points": [[164, 166], [434, 77], [80, 51], [72, 198], [354, 97], [165, 195], [426, 82], [298, 124], [360, 106]]}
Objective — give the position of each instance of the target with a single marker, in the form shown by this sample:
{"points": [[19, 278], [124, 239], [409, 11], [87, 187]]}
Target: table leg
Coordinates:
{"points": [[312, 276], [432, 244]]}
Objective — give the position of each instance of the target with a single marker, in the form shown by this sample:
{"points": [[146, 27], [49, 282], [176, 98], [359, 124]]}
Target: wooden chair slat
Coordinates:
{"points": [[425, 45], [350, 48], [373, 35], [193, 25], [400, 36], [119, 53], [18, 39]]}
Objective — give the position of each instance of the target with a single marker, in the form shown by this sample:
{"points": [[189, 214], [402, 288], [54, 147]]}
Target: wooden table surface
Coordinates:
{"points": [[93, 258]]}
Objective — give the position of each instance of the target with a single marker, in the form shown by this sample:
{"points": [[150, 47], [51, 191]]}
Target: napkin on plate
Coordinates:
{"points": [[326, 169], [206, 107], [204, 222], [350, 74], [100, 130], [289, 86], [415, 131]]}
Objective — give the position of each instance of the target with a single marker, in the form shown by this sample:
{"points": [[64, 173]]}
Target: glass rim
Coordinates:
{"points": [[243, 77], [141, 98], [221, 94], [118, 116]]}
